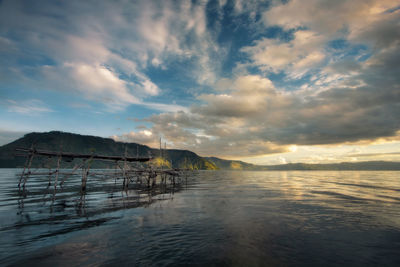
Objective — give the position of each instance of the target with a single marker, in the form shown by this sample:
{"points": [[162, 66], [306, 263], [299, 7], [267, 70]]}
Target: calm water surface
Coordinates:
{"points": [[219, 218]]}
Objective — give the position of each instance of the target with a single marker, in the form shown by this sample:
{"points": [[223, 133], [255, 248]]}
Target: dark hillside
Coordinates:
{"points": [[76, 143]]}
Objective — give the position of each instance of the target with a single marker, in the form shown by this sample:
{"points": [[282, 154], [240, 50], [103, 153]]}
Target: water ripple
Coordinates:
{"points": [[219, 218]]}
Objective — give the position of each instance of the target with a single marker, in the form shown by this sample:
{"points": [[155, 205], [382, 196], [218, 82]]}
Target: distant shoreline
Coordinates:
{"points": [[184, 159]]}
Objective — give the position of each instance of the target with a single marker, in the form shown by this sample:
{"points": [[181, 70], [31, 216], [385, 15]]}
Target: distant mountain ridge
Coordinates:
{"points": [[77, 143], [343, 166]]}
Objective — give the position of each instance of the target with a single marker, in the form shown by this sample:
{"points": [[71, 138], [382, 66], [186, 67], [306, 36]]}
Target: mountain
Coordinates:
{"points": [[175, 158], [84, 144], [343, 166]]}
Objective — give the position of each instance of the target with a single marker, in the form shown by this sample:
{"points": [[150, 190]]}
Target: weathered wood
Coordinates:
{"points": [[29, 169], [71, 173], [57, 173], [141, 175], [23, 172], [85, 174], [113, 173], [82, 156]]}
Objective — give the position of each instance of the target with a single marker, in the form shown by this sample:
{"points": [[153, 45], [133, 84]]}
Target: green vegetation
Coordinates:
{"points": [[236, 166], [160, 162], [197, 164], [233, 164], [210, 166]]}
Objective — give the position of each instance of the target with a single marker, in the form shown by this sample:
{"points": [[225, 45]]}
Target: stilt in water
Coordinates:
{"points": [[29, 171], [77, 166], [141, 175], [57, 172], [125, 184], [85, 174], [24, 175], [50, 173]]}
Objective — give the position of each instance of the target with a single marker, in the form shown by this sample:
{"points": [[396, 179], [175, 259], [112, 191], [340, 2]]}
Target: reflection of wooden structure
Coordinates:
{"points": [[130, 169]]}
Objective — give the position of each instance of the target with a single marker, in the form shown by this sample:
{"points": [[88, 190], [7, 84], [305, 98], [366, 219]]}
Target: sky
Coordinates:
{"points": [[266, 82]]}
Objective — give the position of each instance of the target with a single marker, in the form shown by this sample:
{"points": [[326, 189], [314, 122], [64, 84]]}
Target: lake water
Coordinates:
{"points": [[220, 218]]}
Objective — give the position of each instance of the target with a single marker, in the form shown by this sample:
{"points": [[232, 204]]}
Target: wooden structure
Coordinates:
{"points": [[66, 155], [132, 170]]}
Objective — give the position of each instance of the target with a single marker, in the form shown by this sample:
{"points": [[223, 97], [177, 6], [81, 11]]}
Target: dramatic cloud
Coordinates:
{"points": [[103, 51], [345, 99], [228, 78], [254, 110], [332, 18], [300, 54]]}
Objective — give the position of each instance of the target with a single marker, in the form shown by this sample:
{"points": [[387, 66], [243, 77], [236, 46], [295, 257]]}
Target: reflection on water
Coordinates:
{"points": [[219, 218]]}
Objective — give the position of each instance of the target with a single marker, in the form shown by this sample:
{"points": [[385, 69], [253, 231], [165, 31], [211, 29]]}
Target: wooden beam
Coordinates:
{"points": [[82, 156]]}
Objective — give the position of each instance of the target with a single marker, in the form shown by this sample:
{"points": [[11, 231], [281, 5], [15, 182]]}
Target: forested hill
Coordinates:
{"points": [[84, 144], [77, 143]]}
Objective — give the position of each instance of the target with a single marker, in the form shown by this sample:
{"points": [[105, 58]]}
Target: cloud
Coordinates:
{"points": [[252, 117], [176, 30], [164, 107], [330, 18], [248, 96], [30, 107], [219, 126], [141, 137], [300, 54], [99, 79], [314, 24], [282, 160], [104, 51], [291, 72]]}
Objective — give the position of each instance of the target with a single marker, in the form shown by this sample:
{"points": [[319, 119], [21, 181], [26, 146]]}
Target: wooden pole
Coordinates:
{"points": [[160, 149], [144, 176], [125, 184], [57, 173], [83, 156], [85, 174], [29, 168], [27, 163], [77, 166]]}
